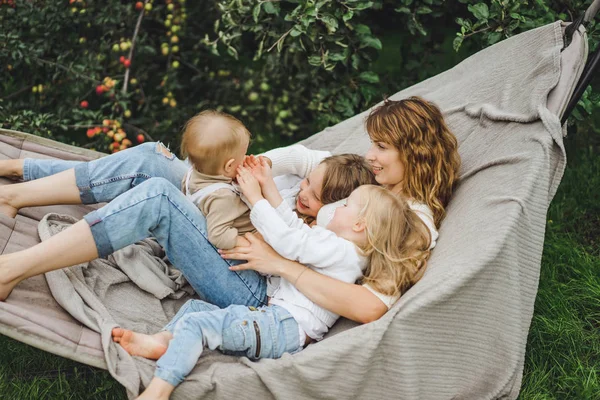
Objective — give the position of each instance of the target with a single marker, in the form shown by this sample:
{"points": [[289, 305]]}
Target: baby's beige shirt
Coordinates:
{"points": [[227, 216]]}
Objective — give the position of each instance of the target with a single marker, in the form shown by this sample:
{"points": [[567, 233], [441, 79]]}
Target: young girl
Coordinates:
{"points": [[372, 227]]}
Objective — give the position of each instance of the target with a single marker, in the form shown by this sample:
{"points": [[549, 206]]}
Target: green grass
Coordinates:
{"points": [[563, 351]]}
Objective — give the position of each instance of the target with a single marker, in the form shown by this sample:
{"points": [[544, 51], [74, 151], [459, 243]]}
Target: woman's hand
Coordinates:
{"points": [[249, 185], [259, 255]]}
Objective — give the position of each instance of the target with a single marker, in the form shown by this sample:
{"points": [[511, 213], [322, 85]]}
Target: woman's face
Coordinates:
{"points": [[308, 201], [386, 164]]}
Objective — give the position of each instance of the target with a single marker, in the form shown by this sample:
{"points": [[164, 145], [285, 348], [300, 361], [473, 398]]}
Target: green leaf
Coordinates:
{"points": [[369, 76], [362, 6], [494, 37], [330, 21], [457, 42], [295, 32], [480, 10], [256, 12], [403, 10], [270, 8], [315, 60], [337, 57], [348, 16], [370, 41], [424, 10], [355, 61], [362, 29]]}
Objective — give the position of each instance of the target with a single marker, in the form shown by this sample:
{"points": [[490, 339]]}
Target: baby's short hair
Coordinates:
{"points": [[210, 138]]}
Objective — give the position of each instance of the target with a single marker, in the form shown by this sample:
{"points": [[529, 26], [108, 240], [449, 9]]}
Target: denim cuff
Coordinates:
{"points": [[82, 179], [26, 169], [167, 376], [99, 234]]}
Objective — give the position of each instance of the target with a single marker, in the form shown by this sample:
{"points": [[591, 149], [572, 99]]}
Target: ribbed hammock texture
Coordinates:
{"points": [[458, 333]]}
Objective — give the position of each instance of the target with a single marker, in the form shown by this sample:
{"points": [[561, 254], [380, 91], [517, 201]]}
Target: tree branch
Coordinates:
{"points": [[280, 39], [139, 130], [69, 70], [133, 39]]}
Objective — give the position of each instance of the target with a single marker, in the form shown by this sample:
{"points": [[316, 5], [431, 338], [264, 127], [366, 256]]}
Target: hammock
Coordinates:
{"points": [[458, 333]]}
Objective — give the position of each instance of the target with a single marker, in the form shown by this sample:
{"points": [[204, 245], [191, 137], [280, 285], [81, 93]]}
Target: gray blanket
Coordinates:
{"points": [[458, 333]]}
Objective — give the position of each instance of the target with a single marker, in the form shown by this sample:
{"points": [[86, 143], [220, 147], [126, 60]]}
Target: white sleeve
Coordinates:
{"points": [[288, 216], [389, 301], [426, 215], [295, 160], [315, 246]]}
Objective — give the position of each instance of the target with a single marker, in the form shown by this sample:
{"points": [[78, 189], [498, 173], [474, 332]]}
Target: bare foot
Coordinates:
{"points": [[139, 344], [8, 278], [5, 199], [8, 210], [12, 169], [6, 289]]}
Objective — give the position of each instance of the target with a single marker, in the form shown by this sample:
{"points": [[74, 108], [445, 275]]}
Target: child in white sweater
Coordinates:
{"points": [[358, 232]]}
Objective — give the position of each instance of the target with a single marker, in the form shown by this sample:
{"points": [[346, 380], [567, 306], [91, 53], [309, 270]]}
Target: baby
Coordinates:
{"points": [[216, 144]]}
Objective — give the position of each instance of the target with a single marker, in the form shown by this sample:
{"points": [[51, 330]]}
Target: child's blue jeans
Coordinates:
{"points": [[142, 188], [264, 332]]}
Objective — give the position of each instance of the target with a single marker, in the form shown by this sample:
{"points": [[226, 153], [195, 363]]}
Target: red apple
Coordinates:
{"points": [[100, 89], [84, 104], [127, 63], [90, 133], [140, 138], [122, 59], [139, 5]]}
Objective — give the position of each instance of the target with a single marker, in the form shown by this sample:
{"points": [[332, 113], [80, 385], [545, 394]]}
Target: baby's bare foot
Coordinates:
{"points": [[139, 344]]}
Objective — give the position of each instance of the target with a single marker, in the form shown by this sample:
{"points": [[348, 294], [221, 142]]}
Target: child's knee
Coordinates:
{"points": [[160, 148]]}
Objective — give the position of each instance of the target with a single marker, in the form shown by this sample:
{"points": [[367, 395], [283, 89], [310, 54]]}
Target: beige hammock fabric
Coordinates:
{"points": [[459, 333]]}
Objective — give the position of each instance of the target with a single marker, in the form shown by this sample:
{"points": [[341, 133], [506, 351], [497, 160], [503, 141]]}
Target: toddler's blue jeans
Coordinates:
{"points": [[264, 332]]}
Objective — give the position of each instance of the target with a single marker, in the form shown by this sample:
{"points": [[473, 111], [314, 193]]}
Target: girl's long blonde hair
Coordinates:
{"points": [[428, 150], [397, 241]]}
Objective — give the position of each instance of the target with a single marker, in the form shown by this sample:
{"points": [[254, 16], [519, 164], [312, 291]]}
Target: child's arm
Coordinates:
{"points": [[315, 246], [258, 185], [295, 159], [221, 208]]}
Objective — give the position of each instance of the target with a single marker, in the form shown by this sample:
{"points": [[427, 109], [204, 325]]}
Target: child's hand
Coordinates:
{"points": [[261, 170], [249, 161], [249, 185]]}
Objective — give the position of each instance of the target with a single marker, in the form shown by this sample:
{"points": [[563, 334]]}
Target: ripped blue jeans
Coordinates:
{"points": [[142, 188]]}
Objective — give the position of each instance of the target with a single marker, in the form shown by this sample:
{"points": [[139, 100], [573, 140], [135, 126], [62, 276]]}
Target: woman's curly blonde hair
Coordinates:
{"points": [[428, 150]]}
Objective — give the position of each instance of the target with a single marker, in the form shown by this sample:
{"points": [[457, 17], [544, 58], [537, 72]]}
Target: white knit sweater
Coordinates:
{"points": [[317, 248]]}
